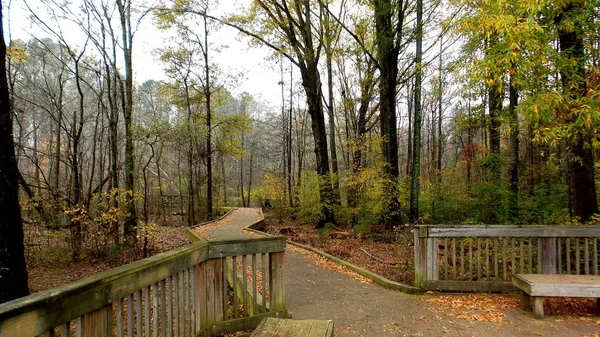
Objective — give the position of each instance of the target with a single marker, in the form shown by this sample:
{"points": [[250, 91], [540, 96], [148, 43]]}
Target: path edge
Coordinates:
{"points": [[382, 281], [191, 234]]}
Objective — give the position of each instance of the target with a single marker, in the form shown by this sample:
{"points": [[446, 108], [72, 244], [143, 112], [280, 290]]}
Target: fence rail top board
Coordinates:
{"points": [[542, 231], [176, 275]]}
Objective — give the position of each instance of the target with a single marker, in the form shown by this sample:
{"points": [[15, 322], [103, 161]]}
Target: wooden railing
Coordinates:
{"points": [[483, 258], [190, 291]]}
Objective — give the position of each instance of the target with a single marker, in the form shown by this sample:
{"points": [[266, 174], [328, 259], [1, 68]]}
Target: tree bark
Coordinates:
{"points": [[387, 54], [13, 272], [130, 223], [416, 162], [583, 201], [513, 98]]}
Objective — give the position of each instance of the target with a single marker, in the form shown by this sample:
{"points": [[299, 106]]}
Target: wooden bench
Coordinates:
{"points": [[536, 287], [278, 327]]}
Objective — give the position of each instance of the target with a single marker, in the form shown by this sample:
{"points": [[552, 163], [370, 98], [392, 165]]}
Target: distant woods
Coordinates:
{"points": [[392, 113]]}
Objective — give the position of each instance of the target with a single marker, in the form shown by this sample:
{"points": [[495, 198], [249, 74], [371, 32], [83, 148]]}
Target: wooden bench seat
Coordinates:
{"points": [[536, 287], [279, 327]]}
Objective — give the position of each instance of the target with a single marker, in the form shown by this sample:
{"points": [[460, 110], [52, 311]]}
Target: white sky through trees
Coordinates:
{"points": [[247, 69]]}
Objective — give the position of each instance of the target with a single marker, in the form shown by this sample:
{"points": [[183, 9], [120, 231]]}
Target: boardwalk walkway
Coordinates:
{"points": [[360, 309]]}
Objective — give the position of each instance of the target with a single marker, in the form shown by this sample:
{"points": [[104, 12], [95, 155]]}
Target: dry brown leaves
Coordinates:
{"points": [[343, 245], [474, 307], [328, 264]]}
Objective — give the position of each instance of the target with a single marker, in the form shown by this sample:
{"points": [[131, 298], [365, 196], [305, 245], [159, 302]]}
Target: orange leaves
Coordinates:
{"points": [[474, 307]]}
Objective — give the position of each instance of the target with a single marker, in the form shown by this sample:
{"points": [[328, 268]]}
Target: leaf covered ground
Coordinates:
{"points": [[390, 255]]}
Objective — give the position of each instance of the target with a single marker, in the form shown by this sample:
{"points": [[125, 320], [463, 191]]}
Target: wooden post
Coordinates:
{"points": [[276, 263], [199, 296], [420, 257], [548, 256], [98, 323], [432, 259]]}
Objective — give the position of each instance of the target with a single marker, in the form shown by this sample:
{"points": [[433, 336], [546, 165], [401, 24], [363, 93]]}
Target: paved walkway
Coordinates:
{"points": [[370, 310]]}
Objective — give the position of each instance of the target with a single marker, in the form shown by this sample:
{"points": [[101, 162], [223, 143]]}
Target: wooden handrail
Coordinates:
{"points": [[164, 283]]}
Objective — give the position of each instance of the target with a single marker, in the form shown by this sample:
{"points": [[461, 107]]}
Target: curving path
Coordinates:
{"points": [[361, 309]]}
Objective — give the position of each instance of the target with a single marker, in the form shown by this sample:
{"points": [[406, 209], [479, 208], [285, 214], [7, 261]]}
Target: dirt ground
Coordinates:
{"points": [[50, 263], [388, 254]]}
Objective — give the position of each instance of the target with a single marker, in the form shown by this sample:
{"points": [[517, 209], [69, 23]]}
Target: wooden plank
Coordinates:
{"points": [[276, 282], [218, 249], [568, 248], [478, 259], [147, 312], [558, 285], [454, 258], [130, 315], [265, 279], [508, 231], [548, 256], [236, 325], [234, 286], [245, 285], [254, 286], [538, 307], [163, 307], [64, 330], [138, 312], [98, 323], [79, 327], [470, 286], [432, 259], [420, 260], [577, 256], [120, 317], [595, 256], [487, 259], [155, 295], [169, 322], [586, 254]]}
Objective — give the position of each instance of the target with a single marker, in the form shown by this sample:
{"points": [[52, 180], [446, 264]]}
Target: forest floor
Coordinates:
{"points": [[50, 262], [388, 254]]}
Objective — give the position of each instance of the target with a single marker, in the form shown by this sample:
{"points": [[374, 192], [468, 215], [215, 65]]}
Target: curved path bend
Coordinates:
{"points": [[359, 309]]}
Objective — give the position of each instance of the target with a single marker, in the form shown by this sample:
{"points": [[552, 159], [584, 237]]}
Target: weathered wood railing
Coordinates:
{"points": [[482, 258], [188, 291]]}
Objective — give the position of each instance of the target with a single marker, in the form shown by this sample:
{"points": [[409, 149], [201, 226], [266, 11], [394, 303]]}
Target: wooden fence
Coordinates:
{"points": [[202, 289], [483, 258]]}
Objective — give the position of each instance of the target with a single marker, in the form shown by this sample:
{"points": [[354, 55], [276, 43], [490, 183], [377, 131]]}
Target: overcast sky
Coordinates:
{"points": [[256, 75]]}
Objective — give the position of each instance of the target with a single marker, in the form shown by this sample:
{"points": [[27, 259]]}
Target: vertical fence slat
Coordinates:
{"points": [[235, 294], [595, 257], [276, 262], [130, 315], [64, 330], [79, 327], [254, 286], [586, 254], [478, 249], [559, 256], [577, 253], [146, 295], [454, 258], [245, 285], [539, 256], [163, 307], [521, 256], [169, 321], [530, 255], [224, 290], [462, 257], [264, 280], [138, 312], [155, 310], [504, 257], [513, 259], [496, 254], [487, 259], [446, 258], [568, 249], [97, 323], [470, 243], [120, 317]]}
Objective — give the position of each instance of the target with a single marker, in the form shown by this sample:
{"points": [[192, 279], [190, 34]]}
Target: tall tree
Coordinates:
{"points": [[416, 153], [129, 227], [389, 24], [13, 272], [570, 19]]}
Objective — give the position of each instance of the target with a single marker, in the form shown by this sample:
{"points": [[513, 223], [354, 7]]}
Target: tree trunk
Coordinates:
{"points": [[513, 98], [387, 54], [13, 272], [130, 223], [207, 93], [580, 167], [416, 162]]}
